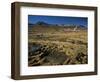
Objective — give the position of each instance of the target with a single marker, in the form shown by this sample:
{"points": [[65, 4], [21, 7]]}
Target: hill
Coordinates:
{"points": [[47, 28]]}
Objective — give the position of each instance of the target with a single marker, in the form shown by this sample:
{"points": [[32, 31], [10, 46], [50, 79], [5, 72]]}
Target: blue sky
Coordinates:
{"points": [[58, 20]]}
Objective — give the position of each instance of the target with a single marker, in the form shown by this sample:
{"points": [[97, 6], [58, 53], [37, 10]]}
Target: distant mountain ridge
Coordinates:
{"points": [[41, 23]]}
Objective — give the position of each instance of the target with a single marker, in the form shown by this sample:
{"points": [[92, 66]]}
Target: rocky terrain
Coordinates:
{"points": [[57, 44]]}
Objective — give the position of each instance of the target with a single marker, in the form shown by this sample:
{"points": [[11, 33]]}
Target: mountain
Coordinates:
{"points": [[30, 25], [41, 23], [45, 27]]}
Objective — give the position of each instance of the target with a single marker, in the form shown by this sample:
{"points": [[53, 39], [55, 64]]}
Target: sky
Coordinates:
{"points": [[58, 20]]}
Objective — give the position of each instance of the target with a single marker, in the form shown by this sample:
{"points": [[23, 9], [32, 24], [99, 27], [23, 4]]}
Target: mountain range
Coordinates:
{"points": [[45, 27]]}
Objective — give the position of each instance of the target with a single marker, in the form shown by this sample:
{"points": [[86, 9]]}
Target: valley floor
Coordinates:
{"points": [[57, 48]]}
